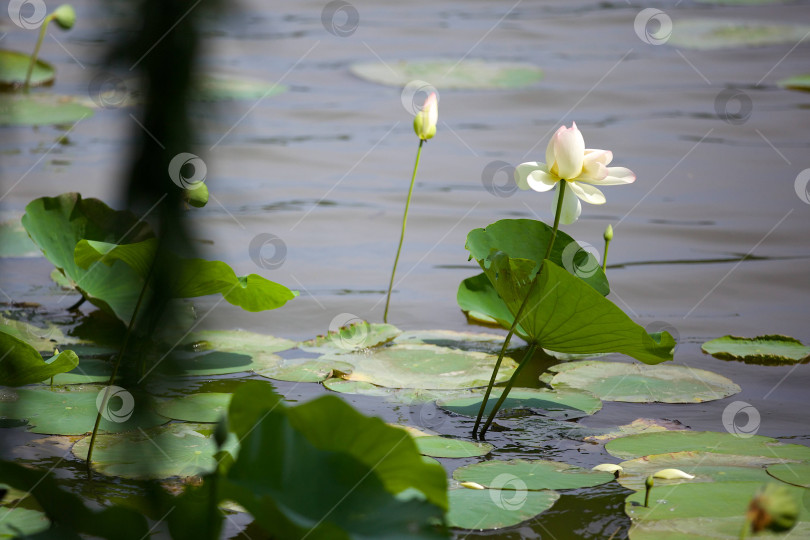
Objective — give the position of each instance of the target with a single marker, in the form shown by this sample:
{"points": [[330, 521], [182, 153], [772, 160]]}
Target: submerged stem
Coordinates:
{"points": [[402, 234], [518, 316], [508, 388], [36, 52]]}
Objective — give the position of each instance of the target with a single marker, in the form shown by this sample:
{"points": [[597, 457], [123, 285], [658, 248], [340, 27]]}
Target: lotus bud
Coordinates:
{"points": [[648, 484], [424, 123], [65, 16], [673, 474], [197, 197], [472, 485], [608, 236], [774, 508]]}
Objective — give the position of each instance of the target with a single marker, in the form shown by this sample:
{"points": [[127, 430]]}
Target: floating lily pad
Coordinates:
{"points": [[423, 366], [705, 466], [450, 74], [356, 336], [14, 68], [639, 425], [773, 350], [14, 241], [71, 410], [207, 407], [640, 383], [21, 364], [797, 82], [465, 341], [530, 474], [635, 446], [19, 522], [706, 528], [42, 339], [172, 450], [401, 395], [444, 447], [564, 404], [742, 2], [88, 371], [12, 495], [218, 363], [228, 88], [238, 341], [40, 110], [304, 370], [496, 508], [797, 474], [708, 34]]}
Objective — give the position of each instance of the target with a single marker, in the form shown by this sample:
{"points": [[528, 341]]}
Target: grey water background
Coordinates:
{"points": [[324, 167]]}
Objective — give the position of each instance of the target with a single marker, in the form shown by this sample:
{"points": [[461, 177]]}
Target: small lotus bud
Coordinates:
{"points": [[673, 474], [65, 16], [608, 236], [648, 483], [424, 123], [774, 508], [197, 197], [472, 485]]}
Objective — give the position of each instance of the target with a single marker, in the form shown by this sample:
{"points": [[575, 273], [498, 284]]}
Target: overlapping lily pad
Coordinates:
{"points": [[204, 407], [639, 383], [423, 366], [448, 74], [238, 341], [21, 364], [564, 404], [496, 508], [645, 444], [725, 33], [89, 371], [41, 110], [772, 350], [173, 450], [356, 336], [444, 447], [304, 370], [465, 341], [16, 522], [217, 363], [42, 339], [797, 474], [72, 410], [401, 395], [639, 425], [14, 68], [530, 475]]}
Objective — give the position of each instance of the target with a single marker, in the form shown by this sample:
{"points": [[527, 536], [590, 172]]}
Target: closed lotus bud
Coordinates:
{"points": [[673, 474], [608, 236], [472, 485], [197, 197], [773, 508], [609, 467], [648, 484], [424, 124], [65, 16]]}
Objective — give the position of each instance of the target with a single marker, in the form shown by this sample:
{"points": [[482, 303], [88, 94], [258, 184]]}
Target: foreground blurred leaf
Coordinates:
{"points": [[21, 364]]}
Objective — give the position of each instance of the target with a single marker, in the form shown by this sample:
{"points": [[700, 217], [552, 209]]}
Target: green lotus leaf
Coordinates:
{"points": [[41, 110], [204, 407], [530, 475], [400, 395], [480, 301], [209, 363], [450, 74], [711, 528], [14, 68], [212, 87], [16, 521], [88, 371], [773, 350], [639, 383], [562, 405], [724, 33], [239, 341], [496, 508], [44, 340], [797, 474], [444, 447], [635, 446], [21, 364], [304, 370], [639, 425], [465, 341], [356, 336]]}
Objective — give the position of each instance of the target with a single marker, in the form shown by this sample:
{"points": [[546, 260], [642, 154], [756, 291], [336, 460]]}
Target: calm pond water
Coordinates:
{"points": [[325, 168]]}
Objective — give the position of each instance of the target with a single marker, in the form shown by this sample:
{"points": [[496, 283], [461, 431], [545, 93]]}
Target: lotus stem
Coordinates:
{"points": [[402, 234], [648, 485], [34, 56], [519, 314], [508, 388]]}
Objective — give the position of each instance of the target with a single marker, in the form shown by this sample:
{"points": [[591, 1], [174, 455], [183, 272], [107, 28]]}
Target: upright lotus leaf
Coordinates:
{"points": [[773, 350], [67, 512], [371, 481], [190, 277], [57, 224], [635, 446], [14, 67], [480, 301], [21, 364], [566, 315], [562, 405], [533, 475], [639, 383], [496, 508]]}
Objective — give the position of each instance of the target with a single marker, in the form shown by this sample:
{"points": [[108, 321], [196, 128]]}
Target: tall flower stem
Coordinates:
{"points": [[515, 323], [34, 56], [402, 234]]}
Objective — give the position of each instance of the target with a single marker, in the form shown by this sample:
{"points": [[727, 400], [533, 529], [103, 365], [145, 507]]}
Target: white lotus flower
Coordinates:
{"points": [[582, 168], [673, 474]]}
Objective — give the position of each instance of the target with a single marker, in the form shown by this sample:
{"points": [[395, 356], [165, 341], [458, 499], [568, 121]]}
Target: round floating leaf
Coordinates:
{"points": [[42, 339], [401, 395], [424, 366], [19, 522], [88, 371], [228, 88], [705, 466], [207, 407], [496, 508], [304, 370], [238, 341], [742, 2], [639, 425], [218, 363], [708, 34], [352, 337], [465, 341], [14, 241], [14, 68], [564, 404], [530, 474], [706, 528], [444, 447], [640, 383], [797, 82], [171, 450], [635, 446], [40, 110], [797, 474], [71, 410], [450, 74], [773, 350]]}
